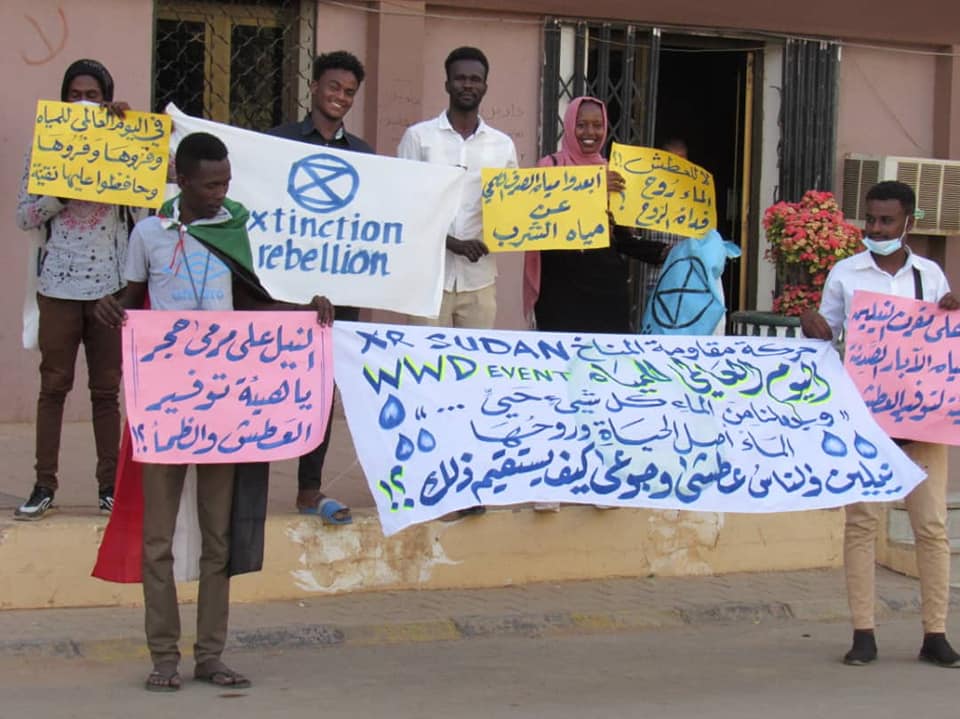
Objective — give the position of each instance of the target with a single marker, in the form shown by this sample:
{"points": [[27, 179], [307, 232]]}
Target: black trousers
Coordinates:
{"points": [[310, 467]]}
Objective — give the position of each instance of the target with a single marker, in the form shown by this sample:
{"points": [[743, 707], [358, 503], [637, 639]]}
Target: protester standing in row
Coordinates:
{"points": [[84, 251], [585, 290], [891, 267], [459, 137], [336, 81], [200, 228]]}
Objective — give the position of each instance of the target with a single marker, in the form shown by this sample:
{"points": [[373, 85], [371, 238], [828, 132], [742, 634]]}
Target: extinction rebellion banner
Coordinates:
{"points": [[444, 419], [364, 230]]}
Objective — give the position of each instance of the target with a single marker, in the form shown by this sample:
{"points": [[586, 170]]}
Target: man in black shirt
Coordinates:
{"points": [[336, 81]]}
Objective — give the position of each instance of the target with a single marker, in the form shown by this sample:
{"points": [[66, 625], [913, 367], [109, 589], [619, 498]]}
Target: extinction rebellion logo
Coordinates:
{"points": [[322, 234], [323, 183]]}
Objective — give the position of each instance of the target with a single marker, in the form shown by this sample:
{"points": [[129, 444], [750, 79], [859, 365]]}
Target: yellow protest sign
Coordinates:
{"points": [[82, 152], [663, 192], [545, 208]]}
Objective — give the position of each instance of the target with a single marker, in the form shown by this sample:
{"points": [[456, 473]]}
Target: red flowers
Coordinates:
{"points": [[806, 239]]}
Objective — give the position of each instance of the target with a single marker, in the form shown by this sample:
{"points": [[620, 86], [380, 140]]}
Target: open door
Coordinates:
{"points": [[706, 97]]}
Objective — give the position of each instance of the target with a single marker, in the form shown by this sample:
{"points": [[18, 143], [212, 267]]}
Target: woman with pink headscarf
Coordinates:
{"points": [[586, 290]]}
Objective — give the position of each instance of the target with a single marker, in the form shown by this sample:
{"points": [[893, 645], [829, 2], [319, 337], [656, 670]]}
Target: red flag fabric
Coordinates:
{"points": [[120, 554]]}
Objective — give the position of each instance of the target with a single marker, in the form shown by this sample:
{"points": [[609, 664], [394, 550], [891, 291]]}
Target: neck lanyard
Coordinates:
{"points": [[197, 296]]}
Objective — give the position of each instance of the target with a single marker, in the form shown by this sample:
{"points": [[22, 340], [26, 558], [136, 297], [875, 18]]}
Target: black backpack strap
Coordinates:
{"points": [[917, 284]]}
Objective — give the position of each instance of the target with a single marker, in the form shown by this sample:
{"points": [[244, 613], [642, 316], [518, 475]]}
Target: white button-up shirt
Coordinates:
{"points": [[860, 272], [436, 141]]}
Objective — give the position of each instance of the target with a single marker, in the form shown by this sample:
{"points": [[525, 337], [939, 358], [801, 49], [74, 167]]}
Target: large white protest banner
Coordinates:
{"points": [[444, 419], [364, 230]]}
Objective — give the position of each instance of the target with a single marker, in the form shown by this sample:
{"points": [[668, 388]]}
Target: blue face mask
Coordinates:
{"points": [[885, 247]]}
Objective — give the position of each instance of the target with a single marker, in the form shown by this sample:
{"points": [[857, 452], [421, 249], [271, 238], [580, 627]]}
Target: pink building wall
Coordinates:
{"points": [[38, 40], [886, 103]]}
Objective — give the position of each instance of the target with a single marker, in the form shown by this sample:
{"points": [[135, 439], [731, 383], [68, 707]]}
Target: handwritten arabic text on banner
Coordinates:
{"points": [[664, 192], [363, 230], [211, 387], [82, 152], [546, 208], [899, 353], [444, 419]]}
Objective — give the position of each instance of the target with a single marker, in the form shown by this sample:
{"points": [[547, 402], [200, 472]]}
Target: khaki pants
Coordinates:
{"points": [[927, 508], [64, 325], [162, 485], [475, 310]]}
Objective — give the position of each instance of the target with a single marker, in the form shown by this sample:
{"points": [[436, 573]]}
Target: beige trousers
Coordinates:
{"points": [[927, 508], [475, 310]]}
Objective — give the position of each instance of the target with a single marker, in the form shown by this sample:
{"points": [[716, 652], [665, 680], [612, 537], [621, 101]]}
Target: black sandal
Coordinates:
{"points": [[165, 677], [219, 674]]}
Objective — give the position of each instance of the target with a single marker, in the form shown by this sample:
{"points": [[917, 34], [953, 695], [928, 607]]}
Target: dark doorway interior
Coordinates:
{"points": [[702, 98]]}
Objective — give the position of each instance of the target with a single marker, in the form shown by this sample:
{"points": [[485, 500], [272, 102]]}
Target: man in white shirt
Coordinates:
{"points": [[891, 268], [459, 137]]}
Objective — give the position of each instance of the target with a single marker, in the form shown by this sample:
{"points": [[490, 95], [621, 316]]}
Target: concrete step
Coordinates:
{"points": [[898, 550], [48, 563], [898, 521]]}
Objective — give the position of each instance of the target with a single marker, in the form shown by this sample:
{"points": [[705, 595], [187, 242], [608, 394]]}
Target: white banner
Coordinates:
{"points": [[444, 419], [364, 230]]}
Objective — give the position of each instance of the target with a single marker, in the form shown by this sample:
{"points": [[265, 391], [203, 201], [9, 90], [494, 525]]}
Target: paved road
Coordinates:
{"points": [[773, 669]]}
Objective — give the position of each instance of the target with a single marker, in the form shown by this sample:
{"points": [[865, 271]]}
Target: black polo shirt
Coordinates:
{"points": [[304, 131]]}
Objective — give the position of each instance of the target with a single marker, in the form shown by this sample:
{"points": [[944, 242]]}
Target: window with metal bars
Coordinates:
{"points": [[616, 63], [243, 63]]}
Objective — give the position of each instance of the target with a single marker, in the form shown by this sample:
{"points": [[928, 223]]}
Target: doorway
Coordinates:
{"points": [[705, 97]]}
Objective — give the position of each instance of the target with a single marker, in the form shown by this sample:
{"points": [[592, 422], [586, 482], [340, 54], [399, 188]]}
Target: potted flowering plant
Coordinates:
{"points": [[806, 239]]}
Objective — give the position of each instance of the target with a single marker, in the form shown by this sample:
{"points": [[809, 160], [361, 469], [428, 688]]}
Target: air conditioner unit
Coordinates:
{"points": [[936, 182]]}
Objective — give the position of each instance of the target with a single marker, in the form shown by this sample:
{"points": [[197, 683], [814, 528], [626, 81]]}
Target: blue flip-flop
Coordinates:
{"points": [[327, 511]]}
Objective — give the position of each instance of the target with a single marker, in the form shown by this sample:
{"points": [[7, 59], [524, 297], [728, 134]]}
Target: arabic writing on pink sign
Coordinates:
{"points": [[900, 354], [216, 387]]}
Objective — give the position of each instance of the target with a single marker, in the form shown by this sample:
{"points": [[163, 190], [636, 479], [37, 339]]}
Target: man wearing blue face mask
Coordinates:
{"points": [[890, 267]]}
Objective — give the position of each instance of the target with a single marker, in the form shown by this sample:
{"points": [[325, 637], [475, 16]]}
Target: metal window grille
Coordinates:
{"points": [[808, 117], [243, 63], [616, 63]]}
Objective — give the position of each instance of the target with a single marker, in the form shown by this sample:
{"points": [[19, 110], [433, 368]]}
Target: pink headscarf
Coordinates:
{"points": [[569, 154]]}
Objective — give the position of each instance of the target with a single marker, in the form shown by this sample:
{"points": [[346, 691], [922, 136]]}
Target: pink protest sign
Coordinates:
{"points": [[899, 353], [210, 387]]}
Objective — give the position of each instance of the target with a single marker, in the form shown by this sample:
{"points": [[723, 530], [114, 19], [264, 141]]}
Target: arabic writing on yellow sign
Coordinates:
{"points": [[664, 192], [82, 152], [547, 208]]}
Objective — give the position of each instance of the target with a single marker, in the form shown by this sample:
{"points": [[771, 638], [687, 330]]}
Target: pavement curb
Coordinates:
{"points": [[520, 625]]}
